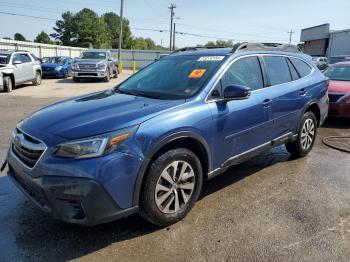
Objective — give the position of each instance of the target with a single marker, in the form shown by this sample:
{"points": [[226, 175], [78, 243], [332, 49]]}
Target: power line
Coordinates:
{"points": [[30, 16]]}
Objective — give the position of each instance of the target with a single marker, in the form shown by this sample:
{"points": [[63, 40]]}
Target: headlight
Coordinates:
{"points": [[102, 66], [95, 146], [75, 66], [58, 68]]}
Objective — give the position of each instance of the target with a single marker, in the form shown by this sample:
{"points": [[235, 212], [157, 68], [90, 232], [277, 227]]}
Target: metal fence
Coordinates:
{"points": [[141, 57]]}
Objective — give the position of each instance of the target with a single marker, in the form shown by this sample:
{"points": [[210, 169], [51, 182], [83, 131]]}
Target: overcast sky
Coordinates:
{"points": [[249, 20]]}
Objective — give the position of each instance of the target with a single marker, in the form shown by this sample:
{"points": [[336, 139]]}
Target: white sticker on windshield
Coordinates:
{"points": [[211, 58]]}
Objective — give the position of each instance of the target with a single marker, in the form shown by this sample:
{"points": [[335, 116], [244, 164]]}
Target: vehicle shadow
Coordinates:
{"points": [[82, 81], [39, 236]]}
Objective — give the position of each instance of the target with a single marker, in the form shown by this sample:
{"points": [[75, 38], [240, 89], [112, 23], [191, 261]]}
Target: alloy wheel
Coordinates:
{"points": [[307, 134], [174, 187]]}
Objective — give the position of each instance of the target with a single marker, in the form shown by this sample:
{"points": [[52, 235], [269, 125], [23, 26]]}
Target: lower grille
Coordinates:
{"points": [[333, 98], [26, 148], [31, 189]]}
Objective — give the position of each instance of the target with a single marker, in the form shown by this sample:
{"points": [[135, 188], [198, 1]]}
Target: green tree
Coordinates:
{"points": [[219, 43], [43, 38], [84, 29], [140, 43], [113, 23], [19, 37]]}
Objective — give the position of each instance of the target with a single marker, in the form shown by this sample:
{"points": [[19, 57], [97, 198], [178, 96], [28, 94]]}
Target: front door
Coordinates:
{"points": [[242, 125]]}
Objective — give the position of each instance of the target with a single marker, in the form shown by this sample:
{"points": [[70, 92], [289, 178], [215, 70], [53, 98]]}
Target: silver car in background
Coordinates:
{"points": [[17, 67], [95, 63]]}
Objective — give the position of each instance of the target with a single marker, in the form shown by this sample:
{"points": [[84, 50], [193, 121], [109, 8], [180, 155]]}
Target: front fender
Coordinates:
{"points": [[161, 142]]}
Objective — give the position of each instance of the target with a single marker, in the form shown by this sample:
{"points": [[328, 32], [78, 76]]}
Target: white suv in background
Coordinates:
{"points": [[17, 67]]}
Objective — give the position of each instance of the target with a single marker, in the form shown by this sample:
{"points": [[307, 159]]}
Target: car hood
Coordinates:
{"points": [[51, 65], [339, 86], [94, 114]]}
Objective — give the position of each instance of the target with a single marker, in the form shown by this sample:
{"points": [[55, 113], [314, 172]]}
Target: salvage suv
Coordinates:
{"points": [[147, 145], [18, 67], [95, 63]]}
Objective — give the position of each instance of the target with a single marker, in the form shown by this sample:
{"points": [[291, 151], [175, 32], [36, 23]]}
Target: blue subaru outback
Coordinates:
{"points": [[147, 145]]}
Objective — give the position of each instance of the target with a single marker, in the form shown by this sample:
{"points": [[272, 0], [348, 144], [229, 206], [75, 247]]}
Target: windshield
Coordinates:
{"points": [[172, 77], [93, 55], [54, 60], [340, 73], [4, 59]]}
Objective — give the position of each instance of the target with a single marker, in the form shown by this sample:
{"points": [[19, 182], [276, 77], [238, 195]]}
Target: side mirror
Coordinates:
{"points": [[17, 62], [236, 92]]}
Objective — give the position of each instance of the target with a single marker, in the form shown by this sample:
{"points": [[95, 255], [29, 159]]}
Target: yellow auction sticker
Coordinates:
{"points": [[197, 73]]}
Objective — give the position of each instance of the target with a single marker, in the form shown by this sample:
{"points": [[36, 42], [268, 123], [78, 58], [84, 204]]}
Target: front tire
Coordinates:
{"points": [[76, 80], [107, 77], [306, 136], [8, 84], [37, 80], [172, 186]]}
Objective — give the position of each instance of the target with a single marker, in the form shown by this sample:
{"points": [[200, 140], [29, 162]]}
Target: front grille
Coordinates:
{"points": [[26, 148], [333, 98], [48, 69], [87, 67]]}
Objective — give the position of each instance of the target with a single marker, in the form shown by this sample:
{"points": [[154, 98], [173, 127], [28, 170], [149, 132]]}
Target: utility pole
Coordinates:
{"points": [[174, 33], [172, 13], [121, 29], [290, 36]]}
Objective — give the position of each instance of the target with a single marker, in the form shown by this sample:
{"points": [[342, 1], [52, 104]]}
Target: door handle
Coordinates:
{"points": [[302, 92], [267, 102]]}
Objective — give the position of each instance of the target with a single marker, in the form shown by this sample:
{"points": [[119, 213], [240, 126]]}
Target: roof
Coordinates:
{"points": [[242, 48], [9, 52]]}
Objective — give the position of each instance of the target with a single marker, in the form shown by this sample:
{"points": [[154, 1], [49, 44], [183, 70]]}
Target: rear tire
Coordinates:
{"points": [[8, 84], [306, 136], [37, 80], [172, 186]]}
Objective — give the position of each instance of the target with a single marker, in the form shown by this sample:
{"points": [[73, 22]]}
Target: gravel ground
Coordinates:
{"points": [[271, 208]]}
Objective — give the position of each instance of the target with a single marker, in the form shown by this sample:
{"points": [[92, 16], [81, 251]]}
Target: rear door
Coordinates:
{"points": [[288, 94], [241, 125]]}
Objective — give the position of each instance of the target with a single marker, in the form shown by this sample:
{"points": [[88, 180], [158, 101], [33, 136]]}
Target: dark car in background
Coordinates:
{"points": [[57, 66], [339, 89]]}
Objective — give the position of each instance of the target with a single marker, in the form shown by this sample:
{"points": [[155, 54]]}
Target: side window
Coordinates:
{"points": [[293, 71], [245, 72], [25, 58], [277, 69], [303, 68], [16, 57]]}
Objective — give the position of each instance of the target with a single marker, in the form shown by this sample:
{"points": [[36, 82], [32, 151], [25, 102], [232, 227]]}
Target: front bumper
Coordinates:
{"points": [[73, 200], [341, 110], [89, 74], [87, 191], [53, 73]]}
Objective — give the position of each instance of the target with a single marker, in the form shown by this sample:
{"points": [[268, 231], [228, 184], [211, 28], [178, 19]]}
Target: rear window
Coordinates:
{"points": [[303, 68], [277, 69]]}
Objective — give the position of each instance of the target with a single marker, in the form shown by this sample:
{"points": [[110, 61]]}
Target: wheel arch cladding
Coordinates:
{"points": [[314, 108], [181, 140]]}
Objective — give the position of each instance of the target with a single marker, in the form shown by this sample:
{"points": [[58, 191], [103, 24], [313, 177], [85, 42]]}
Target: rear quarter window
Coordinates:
{"points": [[303, 68]]}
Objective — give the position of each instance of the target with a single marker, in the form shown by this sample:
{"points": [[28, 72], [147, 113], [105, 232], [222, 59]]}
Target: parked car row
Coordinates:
{"points": [[17, 67]]}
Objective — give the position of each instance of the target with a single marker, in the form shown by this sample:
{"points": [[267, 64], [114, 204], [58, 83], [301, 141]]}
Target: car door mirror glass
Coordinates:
{"points": [[233, 92]]}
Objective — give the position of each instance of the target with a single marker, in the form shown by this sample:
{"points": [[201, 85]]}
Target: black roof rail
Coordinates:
{"points": [[244, 47], [196, 48]]}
